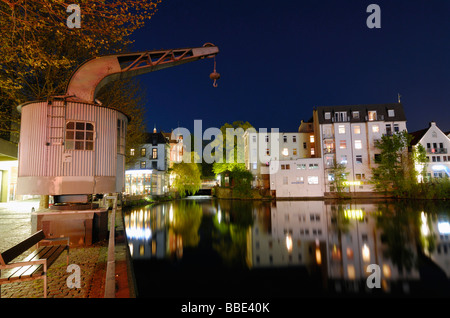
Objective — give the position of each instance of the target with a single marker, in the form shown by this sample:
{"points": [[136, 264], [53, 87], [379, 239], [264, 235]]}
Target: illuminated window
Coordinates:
{"points": [[355, 115], [344, 159], [311, 138], [294, 151], [313, 180], [285, 152], [267, 151], [143, 152], [358, 144], [327, 115], [79, 135], [155, 153], [372, 115], [375, 128], [341, 129], [143, 165], [312, 151], [357, 129], [343, 144], [131, 152]]}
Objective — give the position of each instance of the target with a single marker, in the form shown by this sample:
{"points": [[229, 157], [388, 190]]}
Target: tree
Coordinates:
{"points": [[420, 161], [39, 52], [394, 166], [186, 177], [339, 173], [233, 149]]}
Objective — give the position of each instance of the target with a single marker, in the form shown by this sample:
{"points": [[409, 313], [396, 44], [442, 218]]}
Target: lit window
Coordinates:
{"points": [[285, 152], [372, 115], [344, 159], [131, 152], [143, 152], [341, 129], [357, 129], [327, 115], [294, 151], [143, 165], [311, 138], [255, 166], [358, 144], [355, 115], [267, 151], [391, 113], [79, 135], [155, 153], [313, 180], [375, 128], [312, 151], [343, 144]]}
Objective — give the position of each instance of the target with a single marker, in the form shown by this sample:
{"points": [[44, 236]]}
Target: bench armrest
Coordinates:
{"points": [[55, 239], [20, 264]]}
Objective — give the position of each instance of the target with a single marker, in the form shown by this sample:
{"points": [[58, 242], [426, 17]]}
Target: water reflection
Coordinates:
{"points": [[337, 242]]}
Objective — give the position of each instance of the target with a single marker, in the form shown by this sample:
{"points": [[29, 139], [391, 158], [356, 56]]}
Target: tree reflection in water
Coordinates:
{"points": [[232, 223], [187, 217]]}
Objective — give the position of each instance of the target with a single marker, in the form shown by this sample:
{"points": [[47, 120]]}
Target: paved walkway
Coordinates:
{"points": [[15, 225]]}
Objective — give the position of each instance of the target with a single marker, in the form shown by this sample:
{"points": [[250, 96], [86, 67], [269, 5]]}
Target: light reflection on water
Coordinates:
{"points": [[338, 241]]}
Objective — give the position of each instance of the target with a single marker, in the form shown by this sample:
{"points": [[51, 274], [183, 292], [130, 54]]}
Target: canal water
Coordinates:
{"points": [[206, 247]]}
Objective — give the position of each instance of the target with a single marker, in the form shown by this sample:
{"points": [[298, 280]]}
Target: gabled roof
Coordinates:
{"points": [[417, 135], [155, 138]]}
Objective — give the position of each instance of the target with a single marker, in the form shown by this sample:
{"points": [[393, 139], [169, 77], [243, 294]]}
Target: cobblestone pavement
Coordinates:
{"points": [[15, 225]]}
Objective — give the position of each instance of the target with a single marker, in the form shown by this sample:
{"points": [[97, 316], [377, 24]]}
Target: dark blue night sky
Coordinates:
{"points": [[279, 59]]}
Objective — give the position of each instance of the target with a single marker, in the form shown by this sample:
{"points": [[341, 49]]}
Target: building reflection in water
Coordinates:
{"points": [[336, 241]]}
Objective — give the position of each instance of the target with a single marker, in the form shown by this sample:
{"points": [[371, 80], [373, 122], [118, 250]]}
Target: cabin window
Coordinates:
{"points": [[79, 135]]}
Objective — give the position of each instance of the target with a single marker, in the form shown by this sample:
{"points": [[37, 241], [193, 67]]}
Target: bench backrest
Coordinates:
{"points": [[18, 249]]}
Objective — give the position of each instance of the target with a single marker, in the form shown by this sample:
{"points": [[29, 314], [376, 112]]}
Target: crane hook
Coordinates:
{"points": [[214, 75]]}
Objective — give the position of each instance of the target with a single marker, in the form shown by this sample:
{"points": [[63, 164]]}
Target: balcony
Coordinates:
{"points": [[329, 150], [437, 150]]}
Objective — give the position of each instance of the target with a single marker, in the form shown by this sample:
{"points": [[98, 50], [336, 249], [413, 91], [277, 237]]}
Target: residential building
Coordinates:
{"points": [[262, 148], [436, 144], [347, 135], [297, 178], [149, 174], [176, 148]]}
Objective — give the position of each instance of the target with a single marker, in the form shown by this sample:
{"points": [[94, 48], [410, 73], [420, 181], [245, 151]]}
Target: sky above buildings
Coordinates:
{"points": [[279, 59]]}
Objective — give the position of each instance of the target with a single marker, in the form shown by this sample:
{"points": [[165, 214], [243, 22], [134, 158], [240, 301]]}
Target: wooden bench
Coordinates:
{"points": [[35, 265]]}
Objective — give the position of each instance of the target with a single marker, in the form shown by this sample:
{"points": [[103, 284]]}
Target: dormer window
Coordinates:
{"points": [[327, 115], [391, 113]]}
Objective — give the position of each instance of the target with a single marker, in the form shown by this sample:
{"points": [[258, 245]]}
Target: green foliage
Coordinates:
{"points": [[187, 177], [339, 172], [393, 164]]}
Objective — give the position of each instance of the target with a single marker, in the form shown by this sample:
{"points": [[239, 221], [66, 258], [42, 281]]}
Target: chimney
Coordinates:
{"points": [[154, 130]]}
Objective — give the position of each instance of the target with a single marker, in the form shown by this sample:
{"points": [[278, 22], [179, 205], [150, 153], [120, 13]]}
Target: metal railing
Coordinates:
{"points": [[436, 150]]}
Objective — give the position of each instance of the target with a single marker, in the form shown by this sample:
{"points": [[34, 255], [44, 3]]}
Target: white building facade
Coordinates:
{"points": [[347, 135], [149, 175], [297, 178], [436, 144]]}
